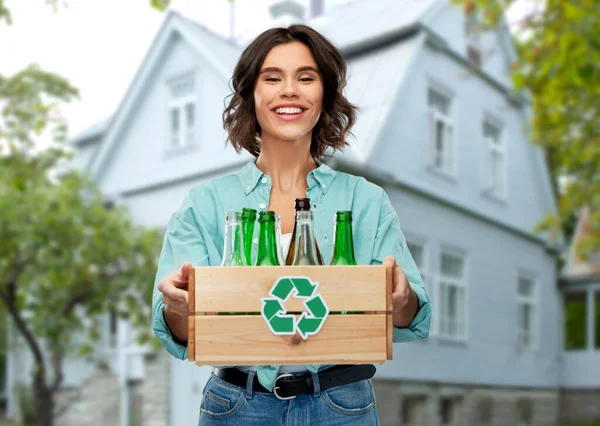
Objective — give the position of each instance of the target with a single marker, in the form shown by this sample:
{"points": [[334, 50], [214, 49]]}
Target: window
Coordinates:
{"points": [[449, 410], [112, 329], [524, 412], [527, 311], [492, 136], [418, 252], [597, 320], [440, 131], [575, 318], [452, 296], [182, 112], [483, 411], [413, 410]]}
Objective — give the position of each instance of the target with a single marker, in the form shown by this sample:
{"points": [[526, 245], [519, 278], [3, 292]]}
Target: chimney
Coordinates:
{"points": [[317, 8], [287, 12]]}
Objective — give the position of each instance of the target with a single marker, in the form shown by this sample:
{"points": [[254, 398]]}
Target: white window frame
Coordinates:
{"points": [[532, 300], [459, 283], [473, 36], [494, 149], [448, 157], [187, 136]]}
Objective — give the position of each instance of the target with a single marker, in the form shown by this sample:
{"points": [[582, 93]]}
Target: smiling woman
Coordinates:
{"points": [[287, 109]]}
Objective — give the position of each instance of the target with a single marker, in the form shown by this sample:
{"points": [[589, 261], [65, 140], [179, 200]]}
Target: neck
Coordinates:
{"points": [[287, 163]]}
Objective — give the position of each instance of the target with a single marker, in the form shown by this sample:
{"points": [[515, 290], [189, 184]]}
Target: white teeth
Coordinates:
{"points": [[288, 110]]}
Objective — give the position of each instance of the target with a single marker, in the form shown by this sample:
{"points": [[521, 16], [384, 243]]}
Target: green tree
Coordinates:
{"points": [[66, 257], [558, 68]]}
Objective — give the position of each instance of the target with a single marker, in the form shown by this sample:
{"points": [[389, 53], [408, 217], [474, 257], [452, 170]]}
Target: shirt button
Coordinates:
{"points": [[264, 180], [255, 241], [314, 206], [249, 188], [325, 237], [262, 205], [324, 186]]}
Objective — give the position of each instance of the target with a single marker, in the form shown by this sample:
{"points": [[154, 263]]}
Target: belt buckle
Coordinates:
{"points": [[275, 387]]}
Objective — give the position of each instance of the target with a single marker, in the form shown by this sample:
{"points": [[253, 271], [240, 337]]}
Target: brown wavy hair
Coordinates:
{"points": [[338, 114]]}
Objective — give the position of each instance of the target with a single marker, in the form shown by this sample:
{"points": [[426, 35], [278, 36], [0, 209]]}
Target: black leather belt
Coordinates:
{"points": [[288, 387]]}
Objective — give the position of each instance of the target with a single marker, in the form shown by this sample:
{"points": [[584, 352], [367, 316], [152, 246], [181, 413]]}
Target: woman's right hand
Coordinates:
{"points": [[175, 298]]}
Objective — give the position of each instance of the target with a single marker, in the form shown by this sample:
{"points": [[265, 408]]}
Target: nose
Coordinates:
{"points": [[289, 88]]}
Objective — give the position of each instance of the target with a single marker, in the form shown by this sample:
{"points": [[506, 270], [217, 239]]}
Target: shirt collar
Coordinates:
{"points": [[250, 175]]}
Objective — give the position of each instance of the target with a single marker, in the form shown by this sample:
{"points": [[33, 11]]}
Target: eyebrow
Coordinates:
{"points": [[275, 69]]}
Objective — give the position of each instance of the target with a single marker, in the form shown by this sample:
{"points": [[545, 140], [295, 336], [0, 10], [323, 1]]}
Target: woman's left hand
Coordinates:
{"points": [[404, 299]]}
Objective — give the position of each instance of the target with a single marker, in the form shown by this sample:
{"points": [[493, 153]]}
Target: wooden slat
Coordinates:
{"points": [[389, 282], [239, 289], [247, 340], [191, 319]]}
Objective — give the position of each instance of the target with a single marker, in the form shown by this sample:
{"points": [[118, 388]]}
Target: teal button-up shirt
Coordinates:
{"points": [[195, 234]]}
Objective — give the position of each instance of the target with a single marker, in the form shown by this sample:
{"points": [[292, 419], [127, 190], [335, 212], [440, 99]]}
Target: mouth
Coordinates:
{"points": [[289, 113]]}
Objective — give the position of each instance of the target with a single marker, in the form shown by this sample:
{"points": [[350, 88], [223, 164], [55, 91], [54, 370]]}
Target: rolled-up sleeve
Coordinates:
{"points": [[389, 240], [183, 242]]}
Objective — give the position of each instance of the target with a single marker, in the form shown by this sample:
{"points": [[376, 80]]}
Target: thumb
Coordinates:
{"points": [[184, 273], [389, 261]]}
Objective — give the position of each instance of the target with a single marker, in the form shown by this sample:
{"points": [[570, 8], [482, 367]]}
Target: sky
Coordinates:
{"points": [[99, 44]]}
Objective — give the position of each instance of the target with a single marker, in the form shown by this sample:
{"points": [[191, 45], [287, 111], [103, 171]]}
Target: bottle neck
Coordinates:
{"points": [[267, 244], [233, 252], [248, 233], [343, 251]]}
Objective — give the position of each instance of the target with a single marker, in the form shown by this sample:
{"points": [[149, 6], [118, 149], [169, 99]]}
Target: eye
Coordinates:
{"points": [[306, 79], [272, 79]]}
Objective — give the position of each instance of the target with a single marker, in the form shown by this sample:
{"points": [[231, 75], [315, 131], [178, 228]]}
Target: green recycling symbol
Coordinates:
{"points": [[310, 322]]}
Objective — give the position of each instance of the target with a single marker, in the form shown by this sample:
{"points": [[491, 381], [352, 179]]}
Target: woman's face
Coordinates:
{"points": [[289, 93]]}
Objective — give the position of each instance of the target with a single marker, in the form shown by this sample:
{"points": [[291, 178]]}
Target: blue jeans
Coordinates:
{"points": [[224, 404]]}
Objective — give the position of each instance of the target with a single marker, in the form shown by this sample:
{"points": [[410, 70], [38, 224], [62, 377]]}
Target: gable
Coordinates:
{"points": [[174, 28]]}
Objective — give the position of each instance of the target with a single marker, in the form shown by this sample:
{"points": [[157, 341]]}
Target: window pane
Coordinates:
{"points": [[439, 143], [189, 120], [452, 266], [497, 170], [491, 132], [525, 287], [575, 320], [182, 88], [448, 149], [175, 126], [524, 412], [416, 250], [597, 319], [438, 101]]}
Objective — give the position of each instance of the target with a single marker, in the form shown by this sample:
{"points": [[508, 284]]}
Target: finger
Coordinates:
{"points": [[176, 295], [184, 271], [389, 261]]}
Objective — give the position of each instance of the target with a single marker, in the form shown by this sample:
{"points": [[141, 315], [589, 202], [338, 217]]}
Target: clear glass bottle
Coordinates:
{"points": [[306, 245]]}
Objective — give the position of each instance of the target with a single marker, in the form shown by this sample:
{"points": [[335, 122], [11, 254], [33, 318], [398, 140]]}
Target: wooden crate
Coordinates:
{"points": [[245, 339]]}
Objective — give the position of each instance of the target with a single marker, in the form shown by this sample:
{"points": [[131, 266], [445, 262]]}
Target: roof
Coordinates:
{"points": [[94, 131], [576, 268], [346, 27]]}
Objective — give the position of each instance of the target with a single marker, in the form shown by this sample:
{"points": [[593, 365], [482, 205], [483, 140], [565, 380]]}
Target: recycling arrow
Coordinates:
{"points": [[310, 322]]}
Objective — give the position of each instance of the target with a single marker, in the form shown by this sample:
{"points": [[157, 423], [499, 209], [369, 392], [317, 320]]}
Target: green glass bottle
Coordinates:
{"points": [[248, 221], [343, 245], [267, 240], [233, 249]]}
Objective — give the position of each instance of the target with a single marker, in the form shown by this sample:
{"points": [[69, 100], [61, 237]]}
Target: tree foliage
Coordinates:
{"points": [[559, 69], [66, 256]]}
